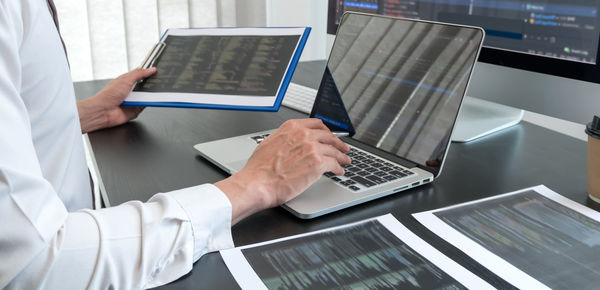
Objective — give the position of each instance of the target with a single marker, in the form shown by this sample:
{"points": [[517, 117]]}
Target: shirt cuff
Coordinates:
{"points": [[209, 211]]}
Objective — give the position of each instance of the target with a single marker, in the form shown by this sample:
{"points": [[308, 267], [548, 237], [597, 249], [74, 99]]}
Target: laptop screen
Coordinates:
{"points": [[397, 84]]}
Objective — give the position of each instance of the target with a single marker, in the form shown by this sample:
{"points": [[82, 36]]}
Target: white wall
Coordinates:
{"points": [[311, 13], [329, 44], [251, 13]]}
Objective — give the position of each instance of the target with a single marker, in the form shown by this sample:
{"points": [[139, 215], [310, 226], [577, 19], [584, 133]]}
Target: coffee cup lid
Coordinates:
{"points": [[593, 128]]}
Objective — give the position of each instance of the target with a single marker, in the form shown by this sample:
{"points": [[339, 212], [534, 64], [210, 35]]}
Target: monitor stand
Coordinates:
{"points": [[478, 118]]}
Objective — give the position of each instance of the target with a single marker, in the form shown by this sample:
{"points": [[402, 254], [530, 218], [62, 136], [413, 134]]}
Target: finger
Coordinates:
{"points": [[137, 112], [326, 137], [333, 152], [312, 123], [331, 165], [132, 112], [138, 74]]}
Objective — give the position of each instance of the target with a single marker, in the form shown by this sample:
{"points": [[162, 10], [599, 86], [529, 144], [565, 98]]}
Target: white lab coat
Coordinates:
{"points": [[49, 237]]}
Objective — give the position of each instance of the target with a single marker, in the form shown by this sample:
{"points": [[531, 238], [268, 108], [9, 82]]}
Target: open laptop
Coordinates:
{"points": [[396, 86]]}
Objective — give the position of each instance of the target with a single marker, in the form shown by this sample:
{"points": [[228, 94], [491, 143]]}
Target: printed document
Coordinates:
{"points": [[378, 253], [533, 238]]}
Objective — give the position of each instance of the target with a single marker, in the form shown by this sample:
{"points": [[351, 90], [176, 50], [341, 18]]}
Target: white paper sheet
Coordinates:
{"points": [[498, 265], [226, 100], [247, 278], [236, 31]]}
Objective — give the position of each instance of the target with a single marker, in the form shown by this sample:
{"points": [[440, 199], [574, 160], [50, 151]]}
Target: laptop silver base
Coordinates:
{"points": [[323, 197]]}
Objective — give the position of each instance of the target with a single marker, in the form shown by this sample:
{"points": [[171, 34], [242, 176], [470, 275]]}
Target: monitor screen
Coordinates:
{"points": [[557, 37], [397, 84]]}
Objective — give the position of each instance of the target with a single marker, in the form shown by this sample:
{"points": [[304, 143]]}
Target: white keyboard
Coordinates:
{"points": [[299, 98]]}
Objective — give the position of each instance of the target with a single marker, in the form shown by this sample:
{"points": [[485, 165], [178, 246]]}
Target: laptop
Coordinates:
{"points": [[396, 86]]}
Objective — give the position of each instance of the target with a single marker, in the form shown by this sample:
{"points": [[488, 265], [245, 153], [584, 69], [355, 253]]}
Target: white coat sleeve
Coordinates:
{"points": [[131, 246]]}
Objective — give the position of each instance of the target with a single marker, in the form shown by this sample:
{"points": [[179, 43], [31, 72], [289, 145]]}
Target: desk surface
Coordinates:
{"points": [[154, 154]]}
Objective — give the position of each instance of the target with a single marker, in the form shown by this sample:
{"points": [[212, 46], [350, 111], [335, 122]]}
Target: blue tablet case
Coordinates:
{"points": [[286, 81]]}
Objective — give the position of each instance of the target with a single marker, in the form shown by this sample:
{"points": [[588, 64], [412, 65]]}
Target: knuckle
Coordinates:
{"points": [[311, 148], [320, 122], [304, 133], [289, 124], [281, 137], [292, 122], [315, 160]]}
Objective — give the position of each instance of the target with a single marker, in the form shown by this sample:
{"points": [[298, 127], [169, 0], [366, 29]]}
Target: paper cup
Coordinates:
{"points": [[593, 131]]}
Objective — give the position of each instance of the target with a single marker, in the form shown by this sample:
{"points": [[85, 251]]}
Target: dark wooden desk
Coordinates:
{"points": [[154, 154]]}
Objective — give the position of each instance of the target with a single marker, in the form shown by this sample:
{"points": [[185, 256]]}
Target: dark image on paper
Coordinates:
{"points": [[225, 65], [552, 243], [364, 256]]}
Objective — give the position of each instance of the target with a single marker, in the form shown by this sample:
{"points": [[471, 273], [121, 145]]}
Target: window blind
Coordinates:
{"points": [[106, 38]]}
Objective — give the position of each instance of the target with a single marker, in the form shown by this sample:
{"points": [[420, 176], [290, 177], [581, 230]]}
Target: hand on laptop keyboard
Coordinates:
{"points": [[284, 164]]}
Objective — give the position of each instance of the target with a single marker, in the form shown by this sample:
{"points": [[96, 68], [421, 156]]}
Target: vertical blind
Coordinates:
{"points": [[106, 38]]}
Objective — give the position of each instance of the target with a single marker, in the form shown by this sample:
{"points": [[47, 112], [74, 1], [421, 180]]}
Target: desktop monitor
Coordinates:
{"points": [[539, 56]]}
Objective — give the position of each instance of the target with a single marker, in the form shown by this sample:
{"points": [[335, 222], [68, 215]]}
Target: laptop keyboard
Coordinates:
{"points": [[259, 138], [366, 170]]}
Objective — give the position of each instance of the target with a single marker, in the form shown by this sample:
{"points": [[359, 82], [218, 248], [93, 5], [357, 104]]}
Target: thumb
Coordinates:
{"points": [[138, 74]]}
